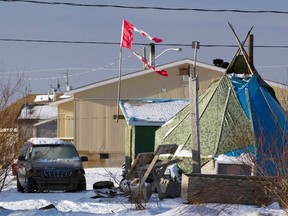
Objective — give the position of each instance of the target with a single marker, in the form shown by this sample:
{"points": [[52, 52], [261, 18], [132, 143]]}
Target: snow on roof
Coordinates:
{"points": [[47, 140], [38, 111], [244, 158], [40, 98], [150, 112], [64, 96]]}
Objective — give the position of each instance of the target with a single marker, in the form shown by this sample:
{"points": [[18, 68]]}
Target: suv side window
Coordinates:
{"points": [[25, 150], [29, 151]]}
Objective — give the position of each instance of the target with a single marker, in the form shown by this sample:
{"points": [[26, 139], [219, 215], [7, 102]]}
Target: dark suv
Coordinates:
{"points": [[46, 164]]}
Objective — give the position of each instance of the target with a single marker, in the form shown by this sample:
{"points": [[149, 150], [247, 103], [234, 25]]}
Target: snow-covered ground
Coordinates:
{"points": [[86, 203]]}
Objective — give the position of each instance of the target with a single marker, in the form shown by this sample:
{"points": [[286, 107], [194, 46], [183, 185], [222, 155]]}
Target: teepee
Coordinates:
{"points": [[223, 124], [238, 113]]}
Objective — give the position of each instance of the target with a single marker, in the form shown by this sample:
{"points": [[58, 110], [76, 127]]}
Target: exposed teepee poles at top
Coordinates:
{"points": [[242, 49], [239, 50]]}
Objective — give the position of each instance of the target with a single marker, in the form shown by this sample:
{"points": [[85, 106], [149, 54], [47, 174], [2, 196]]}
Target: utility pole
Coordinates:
{"points": [[67, 81], [193, 93], [144, 55], [152, 54]]}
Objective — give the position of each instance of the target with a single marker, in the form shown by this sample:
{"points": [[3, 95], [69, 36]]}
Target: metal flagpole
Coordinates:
{"points": [[119, 82]]}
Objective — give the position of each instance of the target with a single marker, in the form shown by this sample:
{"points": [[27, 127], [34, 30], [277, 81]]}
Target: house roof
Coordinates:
{"points": [[15, 111], [142, 72], [147, 71], [10, 113], [150, 112], [37, 111], [46, 121]]}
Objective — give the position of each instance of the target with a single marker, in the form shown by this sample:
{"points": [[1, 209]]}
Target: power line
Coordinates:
{"points": [[57, 41], [233, 46], [86, 71], [137, 44], [149, 8]]}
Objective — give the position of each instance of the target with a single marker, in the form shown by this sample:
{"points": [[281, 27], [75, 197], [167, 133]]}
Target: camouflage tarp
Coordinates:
{"points": [[223, 124]]}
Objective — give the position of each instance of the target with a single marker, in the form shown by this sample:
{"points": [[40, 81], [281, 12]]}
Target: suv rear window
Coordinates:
{"points": [[54, 152]]}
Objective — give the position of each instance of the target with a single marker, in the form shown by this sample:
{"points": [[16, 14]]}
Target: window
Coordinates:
{"points": [[54, 152], [104, 156]]}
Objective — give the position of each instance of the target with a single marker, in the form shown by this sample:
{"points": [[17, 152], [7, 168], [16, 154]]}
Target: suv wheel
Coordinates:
{"points": [[82, 184], [30, 185], [19, 187]]}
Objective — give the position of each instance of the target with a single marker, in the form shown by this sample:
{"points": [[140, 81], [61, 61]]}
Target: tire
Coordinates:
{"points": [[30, 185], [103, 184], [19, 187], [82, 184]]}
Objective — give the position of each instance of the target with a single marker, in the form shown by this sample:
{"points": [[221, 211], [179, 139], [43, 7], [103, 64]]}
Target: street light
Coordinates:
{"points": [[152, 53], [173, 49]]}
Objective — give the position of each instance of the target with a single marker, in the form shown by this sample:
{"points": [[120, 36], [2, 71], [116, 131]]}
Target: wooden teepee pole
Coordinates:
{"points": [[242, 49], [239, 50]]}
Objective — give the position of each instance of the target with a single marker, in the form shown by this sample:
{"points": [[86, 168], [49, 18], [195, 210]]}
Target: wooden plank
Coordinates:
{"points": [[161, 149], [249, 190], [160, 164], [166, 149], [148, 171], [147, 164], [141, 160]]}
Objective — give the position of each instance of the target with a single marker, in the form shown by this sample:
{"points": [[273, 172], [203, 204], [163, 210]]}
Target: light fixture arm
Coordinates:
{"points": [[173, 49]]}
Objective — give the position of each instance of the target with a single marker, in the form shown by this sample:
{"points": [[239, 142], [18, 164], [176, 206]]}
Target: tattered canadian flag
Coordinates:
{"points": [[127, 41], [127, 35]]}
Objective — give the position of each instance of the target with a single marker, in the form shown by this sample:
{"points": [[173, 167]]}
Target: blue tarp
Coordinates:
{"points": [[269, 121]]}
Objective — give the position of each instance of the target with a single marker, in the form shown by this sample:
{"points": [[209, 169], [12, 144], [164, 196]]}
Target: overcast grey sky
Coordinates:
{"points": [[43, 63]]}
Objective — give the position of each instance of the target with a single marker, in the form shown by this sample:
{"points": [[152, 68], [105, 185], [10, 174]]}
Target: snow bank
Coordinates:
{"points": [[86, 202]]}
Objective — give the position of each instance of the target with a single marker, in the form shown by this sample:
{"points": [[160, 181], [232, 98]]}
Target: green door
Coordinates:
{"points": [[144, 139]]}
